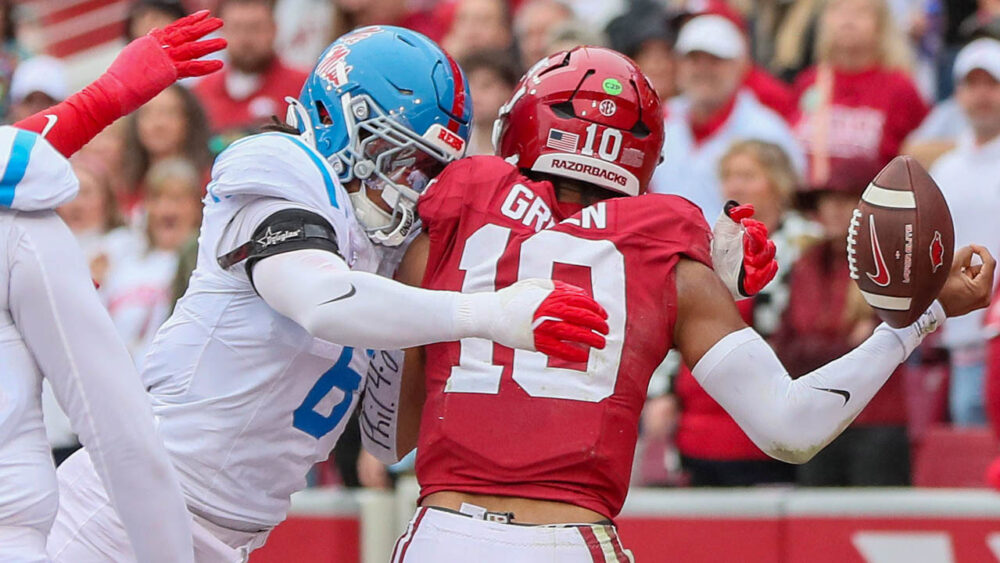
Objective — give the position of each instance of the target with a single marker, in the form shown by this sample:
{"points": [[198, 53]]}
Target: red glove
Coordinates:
{"points": [[143, 69], [742, 255], [568, 323]]}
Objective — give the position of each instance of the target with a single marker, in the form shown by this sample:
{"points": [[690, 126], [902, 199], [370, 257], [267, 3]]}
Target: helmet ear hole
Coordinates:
{"points": [[325, 117]]}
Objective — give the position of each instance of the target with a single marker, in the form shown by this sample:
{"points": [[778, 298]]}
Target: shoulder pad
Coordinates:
{"points": [[34, 175], [462, 181], [276, 165]]}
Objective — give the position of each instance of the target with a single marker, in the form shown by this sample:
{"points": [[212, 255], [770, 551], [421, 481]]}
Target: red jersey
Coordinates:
{"points": [[226, 114], [517, 423], [871, 112]]}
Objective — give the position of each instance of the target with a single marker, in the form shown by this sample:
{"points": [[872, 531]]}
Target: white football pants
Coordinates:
{"points": [[87, 528], [442, 536]]}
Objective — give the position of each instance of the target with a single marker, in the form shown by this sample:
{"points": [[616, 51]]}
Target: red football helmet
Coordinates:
{"points": [[588, 114]]}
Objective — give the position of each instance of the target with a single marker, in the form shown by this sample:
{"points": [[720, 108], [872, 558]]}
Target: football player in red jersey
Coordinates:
{"points": [[523, 458]]}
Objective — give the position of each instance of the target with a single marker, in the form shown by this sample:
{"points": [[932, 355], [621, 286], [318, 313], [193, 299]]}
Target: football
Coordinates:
{"points": [[901, 242]]}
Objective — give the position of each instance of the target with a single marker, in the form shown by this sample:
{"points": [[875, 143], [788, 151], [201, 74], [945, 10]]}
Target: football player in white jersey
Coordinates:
{"points": [[54, 326], [255, 374]]}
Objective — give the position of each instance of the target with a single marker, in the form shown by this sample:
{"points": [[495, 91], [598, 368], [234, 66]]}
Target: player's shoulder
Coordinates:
{"points": [[649, 217], [654, 209], [470, 181], [478, 170], [266, 148], [277, 165]]}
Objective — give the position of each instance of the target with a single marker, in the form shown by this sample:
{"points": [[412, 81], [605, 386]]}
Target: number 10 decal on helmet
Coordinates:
{"points": [[592, 118]]}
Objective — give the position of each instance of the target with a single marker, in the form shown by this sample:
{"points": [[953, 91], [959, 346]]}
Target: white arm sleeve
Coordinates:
{"points": [[317, 290], [71, 337], [792, 420]]}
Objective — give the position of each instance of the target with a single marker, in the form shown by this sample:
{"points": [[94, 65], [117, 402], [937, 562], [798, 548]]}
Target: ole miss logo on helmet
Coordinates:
{"points": [[334, 67], [881, 275], [937, 252]]}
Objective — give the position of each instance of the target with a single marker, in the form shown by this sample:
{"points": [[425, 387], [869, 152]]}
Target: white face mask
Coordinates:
{"points": [[381, 226]]}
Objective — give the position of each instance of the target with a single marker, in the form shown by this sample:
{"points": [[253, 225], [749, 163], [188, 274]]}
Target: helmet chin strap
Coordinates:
{"points": [[378, 223]]}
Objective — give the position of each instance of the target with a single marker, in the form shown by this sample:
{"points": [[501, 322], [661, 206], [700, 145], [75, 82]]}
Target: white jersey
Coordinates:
{"points": [[247, 400], [53, 325]]}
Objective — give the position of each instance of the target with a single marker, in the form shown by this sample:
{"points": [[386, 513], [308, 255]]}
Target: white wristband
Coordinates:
{"points": [[911, 336]]}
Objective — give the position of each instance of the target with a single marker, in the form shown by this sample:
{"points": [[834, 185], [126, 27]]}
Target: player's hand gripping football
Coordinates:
{"points": [[968, 286], [149, 64], [554, 318], [742, 255]]}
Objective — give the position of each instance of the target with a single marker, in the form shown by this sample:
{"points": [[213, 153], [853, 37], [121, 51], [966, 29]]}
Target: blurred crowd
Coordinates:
{"points": [[790, 105]]}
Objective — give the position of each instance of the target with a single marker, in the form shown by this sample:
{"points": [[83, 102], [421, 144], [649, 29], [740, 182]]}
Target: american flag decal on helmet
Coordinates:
{"points": [[562, 140]]}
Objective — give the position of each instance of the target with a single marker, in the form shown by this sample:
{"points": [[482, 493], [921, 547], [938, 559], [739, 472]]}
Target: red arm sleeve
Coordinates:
{"points": [[140, 72]]}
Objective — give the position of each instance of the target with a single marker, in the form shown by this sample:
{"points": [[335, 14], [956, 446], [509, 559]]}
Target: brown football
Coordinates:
{"points": [[901, 242]]}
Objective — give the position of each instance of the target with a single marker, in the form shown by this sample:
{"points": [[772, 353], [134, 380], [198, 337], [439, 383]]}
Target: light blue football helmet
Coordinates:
{"points": [[387, 106]]}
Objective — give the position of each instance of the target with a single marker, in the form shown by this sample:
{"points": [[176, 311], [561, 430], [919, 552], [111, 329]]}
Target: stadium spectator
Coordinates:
{"points": [[138, 290], [969, 177], [770, 91], [38, 83], [10, 53], [712, 112], [253, 85], [426, 16], [533, 25], [94, 217], [146, 15], [825, 318], [714, 450], [478, 25], [492, 76], [303, 30], [170, 125], [859, 100], [571, 34], [940, 130], [644, 34]]}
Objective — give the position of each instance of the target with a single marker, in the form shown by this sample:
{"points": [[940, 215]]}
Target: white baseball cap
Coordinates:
{"points": [[983, 54], [39, 74], [712, 34]]}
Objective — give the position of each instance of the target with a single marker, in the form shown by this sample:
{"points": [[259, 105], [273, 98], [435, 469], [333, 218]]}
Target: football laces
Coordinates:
{"points": [[852, 239]]}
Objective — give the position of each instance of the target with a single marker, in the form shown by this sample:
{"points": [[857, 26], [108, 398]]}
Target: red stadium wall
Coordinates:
{"points": [[759, 526]]}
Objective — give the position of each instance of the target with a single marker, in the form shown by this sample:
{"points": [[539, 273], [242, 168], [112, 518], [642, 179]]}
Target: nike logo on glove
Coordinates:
{"points": [[344, 296], [845, 394]]}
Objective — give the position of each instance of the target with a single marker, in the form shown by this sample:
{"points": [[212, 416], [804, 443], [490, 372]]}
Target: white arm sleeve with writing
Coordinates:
{"points": [[792, 420], [71, 337], [378, 416]]}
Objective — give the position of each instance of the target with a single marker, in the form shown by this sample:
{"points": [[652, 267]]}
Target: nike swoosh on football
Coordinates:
{"points": [[845, 394], [881, 277], [344, 296]]}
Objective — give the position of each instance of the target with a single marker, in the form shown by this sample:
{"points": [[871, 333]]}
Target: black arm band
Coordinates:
{"points": [[284, 231]]}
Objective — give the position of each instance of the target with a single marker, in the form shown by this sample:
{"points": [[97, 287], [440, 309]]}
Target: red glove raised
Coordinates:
{"points": [[569, 322], [759, 265], [143, 69], [742, 255]]}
